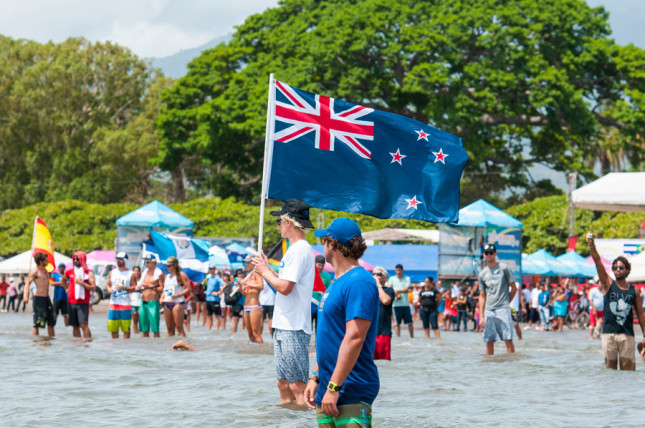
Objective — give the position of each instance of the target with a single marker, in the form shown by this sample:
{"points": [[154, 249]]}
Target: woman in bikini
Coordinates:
{"points": [[251, 288], [176, 287]]}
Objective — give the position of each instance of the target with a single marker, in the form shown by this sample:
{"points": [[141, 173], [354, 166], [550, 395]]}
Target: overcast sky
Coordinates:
{"points": [[158, 28]]}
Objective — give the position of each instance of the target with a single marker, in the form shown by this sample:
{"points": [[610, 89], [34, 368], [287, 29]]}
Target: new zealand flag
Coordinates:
{"points": [[341, 156]]}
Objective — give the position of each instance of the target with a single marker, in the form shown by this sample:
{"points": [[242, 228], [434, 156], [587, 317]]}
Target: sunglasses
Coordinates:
{"points": [[488, 253], [378, 274], [618, 268], [150, 261]]}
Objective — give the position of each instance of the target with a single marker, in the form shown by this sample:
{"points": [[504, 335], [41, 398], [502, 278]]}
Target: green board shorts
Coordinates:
{"points": [[149, 316], [349, 415]]}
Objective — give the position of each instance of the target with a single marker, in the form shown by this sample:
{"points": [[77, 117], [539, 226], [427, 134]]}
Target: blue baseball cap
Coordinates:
{"points": [[342, 230]]}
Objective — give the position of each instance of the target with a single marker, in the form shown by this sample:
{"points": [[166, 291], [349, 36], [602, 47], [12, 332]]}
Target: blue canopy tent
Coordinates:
{"points": [[549, 265], [582, 267], [419, 261], [461, 245], [132, 229], [533, 268]]}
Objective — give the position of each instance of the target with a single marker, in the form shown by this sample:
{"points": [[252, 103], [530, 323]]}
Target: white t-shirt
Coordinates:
{"points": [[535, 297], [527, 294], [293, 311], [515, 303], [120, 278], [267, 295], [597, 299]]}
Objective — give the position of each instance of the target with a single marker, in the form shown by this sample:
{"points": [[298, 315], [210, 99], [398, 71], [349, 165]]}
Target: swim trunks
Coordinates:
{"points": [[119, 317], [267, 311], [60, 307], [616, 345], [349, 415], [78, 314], [213, 308], [43, 312], [383, 348], [499, 325], [291, 350], [149, 316]]}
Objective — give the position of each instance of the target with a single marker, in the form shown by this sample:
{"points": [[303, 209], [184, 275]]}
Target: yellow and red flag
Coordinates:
{"points": [[42, 243]]}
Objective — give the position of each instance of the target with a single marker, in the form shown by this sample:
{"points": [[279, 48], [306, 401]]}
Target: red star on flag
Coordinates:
{"points": [[412, 203], [440, 156], [422, 135], [396, 157]]}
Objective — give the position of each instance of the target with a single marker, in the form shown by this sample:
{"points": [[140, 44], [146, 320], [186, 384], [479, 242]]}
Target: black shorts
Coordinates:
{"points": [[429, 318], [236, 310], [78, 314], [200, 298], [43, 312], [213, 308], [267, 311], [60, 307], [534, 315]]}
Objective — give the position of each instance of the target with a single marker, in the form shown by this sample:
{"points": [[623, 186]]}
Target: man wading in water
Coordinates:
{"points": [[619, 298], [43, 309]]}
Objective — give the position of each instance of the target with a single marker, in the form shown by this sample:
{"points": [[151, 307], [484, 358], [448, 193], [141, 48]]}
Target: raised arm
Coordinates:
{"points": [[605, 280]]}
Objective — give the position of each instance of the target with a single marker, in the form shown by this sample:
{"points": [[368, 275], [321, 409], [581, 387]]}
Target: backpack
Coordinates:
{"points": [[230, 300]]}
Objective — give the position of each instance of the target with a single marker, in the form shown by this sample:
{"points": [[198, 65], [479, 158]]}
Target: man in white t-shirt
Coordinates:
{"points": [[596, 310], [534, 314], [292, 308]]}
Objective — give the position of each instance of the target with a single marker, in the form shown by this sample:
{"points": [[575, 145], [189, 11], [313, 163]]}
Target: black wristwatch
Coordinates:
{"points": [[333, 387]]}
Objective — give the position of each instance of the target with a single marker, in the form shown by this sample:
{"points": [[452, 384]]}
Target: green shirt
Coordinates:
{"points": [[400, 284]]}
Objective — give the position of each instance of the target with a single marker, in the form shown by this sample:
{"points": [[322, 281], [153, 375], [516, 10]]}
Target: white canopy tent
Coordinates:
{"points": [[616, 191], [19, 265], [402, 235]]}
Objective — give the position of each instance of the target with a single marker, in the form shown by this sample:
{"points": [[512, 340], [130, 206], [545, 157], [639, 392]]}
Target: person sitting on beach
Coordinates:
{"points": [[151, 285], [176, 287], [43, 309], [251, 288], [119, 283]]}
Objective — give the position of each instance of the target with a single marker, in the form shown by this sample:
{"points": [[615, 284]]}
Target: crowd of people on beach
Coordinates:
{"points": [[354, 318]]}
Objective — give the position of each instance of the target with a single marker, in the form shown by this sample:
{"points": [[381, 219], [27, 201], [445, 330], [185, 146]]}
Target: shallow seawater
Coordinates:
{"points": [[551, 380]]}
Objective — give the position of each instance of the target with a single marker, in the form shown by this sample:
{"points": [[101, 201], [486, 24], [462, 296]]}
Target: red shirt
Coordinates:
{"points": [[71, 290], [3, 288]]}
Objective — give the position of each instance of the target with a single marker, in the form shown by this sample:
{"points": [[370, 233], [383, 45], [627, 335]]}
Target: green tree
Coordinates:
{"points": [[56, 97], [521, 81]]}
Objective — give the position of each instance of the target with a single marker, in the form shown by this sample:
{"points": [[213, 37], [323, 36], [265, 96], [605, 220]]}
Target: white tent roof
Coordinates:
{"points": [[20, 264], [637, 273], [616, 191], [402, 235]]}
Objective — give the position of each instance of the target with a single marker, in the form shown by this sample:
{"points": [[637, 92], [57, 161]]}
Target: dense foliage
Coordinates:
{"points": [[521, 81]]}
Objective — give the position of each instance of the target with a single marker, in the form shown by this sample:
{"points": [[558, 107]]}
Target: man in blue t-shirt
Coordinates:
{"points": [[345, 379], [213, 282], [60, 295]]}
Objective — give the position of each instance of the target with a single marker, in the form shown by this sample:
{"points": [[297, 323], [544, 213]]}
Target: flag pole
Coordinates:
{"points": [[268, 151]]}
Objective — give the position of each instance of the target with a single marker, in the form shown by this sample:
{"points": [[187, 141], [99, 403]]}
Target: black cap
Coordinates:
{"points": [[296, 209], [490, 247], [320, 259]]}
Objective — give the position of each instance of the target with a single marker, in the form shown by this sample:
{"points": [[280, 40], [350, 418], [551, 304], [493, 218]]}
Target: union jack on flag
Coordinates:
{"points": [[404, 168], [322, 118]]}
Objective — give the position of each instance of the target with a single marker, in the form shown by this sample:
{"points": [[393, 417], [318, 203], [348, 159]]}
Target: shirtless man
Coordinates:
{"points": [[80, 283], [251, 288], [43, 309], [151, 285]]}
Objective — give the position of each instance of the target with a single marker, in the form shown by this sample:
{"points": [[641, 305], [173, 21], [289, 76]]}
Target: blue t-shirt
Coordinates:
{"points": [[59, 292], [353, 295], [213, 283], [543, 298]]}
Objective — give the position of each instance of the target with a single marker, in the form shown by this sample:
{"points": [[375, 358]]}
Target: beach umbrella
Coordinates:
{"points": [[552, 266], [579, 264]]}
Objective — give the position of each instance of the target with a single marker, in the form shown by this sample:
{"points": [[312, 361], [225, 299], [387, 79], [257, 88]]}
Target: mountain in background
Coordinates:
{"points": [[176, 65]]}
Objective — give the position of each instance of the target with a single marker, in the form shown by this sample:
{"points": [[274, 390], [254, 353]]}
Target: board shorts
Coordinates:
{"points": [[79, 313], [383, 348], [593, 319], [291, 351], [349, 415], [499, 325], [119, 318], [213, 308], [618, 345], [43, 312], [267, 311], [402, 313], [149, 316], [429, 318], [60, 307]]}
